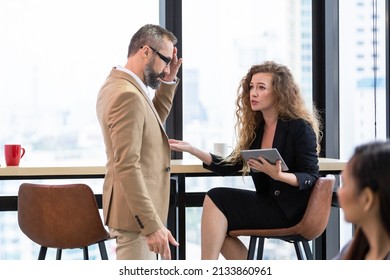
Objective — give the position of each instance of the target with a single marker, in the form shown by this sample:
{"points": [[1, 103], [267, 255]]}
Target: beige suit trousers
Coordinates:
{"points": [[131, 245]]}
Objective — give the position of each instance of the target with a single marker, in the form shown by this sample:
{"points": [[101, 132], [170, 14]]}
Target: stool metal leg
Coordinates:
{"points": [[103, 251], [252, 247], [85, 253], [257, 241], [306, 247], [298, 250], [260, 248], [42, 253], [59, 254]]}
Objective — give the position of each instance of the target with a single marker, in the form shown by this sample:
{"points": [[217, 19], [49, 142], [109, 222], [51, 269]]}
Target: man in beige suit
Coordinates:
{"points": [[137, 182]]}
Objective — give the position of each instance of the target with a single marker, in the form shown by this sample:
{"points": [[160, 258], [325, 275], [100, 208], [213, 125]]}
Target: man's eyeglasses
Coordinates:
{"points": [[167, 60]]}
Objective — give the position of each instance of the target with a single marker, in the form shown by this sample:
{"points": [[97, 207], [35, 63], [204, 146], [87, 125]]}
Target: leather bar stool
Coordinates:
{"points": [[61, 217], [312, 225]]}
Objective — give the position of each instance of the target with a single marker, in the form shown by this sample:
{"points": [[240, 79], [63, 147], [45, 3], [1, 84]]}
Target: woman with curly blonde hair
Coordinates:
{"points": [[270, 114]]}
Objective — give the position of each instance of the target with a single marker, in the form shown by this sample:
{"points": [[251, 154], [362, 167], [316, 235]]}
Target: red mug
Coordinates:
{"points": [[13, 153]]}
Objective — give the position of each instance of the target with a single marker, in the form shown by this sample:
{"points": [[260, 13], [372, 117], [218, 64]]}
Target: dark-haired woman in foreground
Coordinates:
{"points": [[365, 199]]}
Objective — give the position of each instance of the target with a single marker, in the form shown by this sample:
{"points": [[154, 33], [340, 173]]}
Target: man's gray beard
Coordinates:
{"points": [[151, 77]]}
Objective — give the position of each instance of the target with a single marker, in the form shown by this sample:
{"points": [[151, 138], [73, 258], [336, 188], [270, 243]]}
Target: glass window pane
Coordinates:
{"points": [[362, 90], [220, 46], [220, 43], [54, 57]]}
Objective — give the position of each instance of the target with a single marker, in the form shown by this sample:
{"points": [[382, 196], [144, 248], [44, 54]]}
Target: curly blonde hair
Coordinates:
{"points": [[289, 105]]}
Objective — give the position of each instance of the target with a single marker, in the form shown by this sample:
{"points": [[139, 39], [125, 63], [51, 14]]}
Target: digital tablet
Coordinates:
{"points": [[271, 155]]}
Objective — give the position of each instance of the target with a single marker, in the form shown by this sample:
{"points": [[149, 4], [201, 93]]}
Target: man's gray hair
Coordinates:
{"points": [[150, 35]]}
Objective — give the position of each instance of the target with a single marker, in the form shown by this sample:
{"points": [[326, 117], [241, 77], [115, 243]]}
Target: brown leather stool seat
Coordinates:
{"points": [[61, 217], [310, 227]]}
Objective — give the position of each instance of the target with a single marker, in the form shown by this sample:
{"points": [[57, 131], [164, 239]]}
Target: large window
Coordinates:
{"points": [[362, 73], [362, 78], [220, 44], [54, 57]]}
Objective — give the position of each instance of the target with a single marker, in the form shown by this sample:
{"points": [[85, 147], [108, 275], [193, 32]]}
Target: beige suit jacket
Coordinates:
{"points": [[137, 182]]}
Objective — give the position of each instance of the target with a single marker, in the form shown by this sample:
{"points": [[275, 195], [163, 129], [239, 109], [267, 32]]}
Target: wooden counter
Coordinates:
{"points": [[178, 166]]}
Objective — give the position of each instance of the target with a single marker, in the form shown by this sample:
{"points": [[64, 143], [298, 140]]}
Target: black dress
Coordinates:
{"points": [[274, 204]]}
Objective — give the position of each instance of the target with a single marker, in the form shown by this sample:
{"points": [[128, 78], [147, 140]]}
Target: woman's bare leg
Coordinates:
{"points": [[234, 249], [213, 230]]}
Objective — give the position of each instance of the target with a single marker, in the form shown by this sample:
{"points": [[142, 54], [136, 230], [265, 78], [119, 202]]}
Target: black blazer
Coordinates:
{"points": [[296, 142]]}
